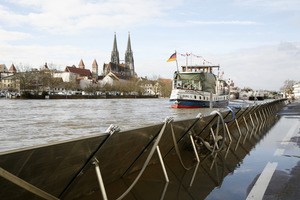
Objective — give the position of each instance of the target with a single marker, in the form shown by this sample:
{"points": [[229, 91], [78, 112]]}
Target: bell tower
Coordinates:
{"points": [[95, 69]]}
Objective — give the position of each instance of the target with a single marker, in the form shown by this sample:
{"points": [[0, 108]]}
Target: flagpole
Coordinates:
{"points": [[176, 61], [186, 61], [191, 59]]}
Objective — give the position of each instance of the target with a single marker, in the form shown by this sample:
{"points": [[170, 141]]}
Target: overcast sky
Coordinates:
{"points": [[256, 42]]}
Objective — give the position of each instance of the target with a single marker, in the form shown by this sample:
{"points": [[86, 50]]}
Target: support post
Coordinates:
{"points": [[240, 134], [198, 160], [162, 164], [100, 180], [247, 130], [258, 124], [253, 125], [230, 141]]}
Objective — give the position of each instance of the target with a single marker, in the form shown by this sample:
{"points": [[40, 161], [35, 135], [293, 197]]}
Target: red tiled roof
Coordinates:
{"points": [[95, 63], [120, 76], [83, 72], [12, 68], [81, 64]]}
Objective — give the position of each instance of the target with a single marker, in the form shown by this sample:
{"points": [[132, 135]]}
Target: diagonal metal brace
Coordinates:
{"points": [[25, 185]]}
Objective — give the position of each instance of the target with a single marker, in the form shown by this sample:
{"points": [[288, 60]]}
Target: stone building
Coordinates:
{"points": [[114, 66], [3, 68], [11, 83], [8, 78]]}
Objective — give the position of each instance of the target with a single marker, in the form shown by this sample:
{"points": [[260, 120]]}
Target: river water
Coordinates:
{"points": [[34, 122]]}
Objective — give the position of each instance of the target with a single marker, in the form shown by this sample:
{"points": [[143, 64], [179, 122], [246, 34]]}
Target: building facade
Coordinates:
{"points": [[11, 83], [297, 90]]}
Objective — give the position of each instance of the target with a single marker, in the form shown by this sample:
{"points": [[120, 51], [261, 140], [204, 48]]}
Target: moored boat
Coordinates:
{"points": [[246, 94], [259, 95], [197, 87]]}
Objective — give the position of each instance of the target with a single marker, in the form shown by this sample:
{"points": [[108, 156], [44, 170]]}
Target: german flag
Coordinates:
{"points": [[173, 57]]}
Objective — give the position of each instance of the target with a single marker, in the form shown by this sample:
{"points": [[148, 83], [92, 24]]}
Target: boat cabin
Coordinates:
{"points": [[199, 78]]}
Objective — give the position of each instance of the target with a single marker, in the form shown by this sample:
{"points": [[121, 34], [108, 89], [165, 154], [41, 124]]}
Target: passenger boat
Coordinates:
{"points": [[198, 87]]}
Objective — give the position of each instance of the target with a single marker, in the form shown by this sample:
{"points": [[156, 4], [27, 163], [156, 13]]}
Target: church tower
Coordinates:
{"points": [[129, 63], [81, 64], [115, 53], [12, 69], [95, 69]]}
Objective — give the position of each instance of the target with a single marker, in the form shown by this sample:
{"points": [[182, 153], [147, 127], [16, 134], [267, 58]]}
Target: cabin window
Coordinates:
{"points": [[179, 84]]}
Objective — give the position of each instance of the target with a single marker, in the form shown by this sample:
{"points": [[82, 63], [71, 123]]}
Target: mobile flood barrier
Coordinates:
{"points": [[172, 160]]}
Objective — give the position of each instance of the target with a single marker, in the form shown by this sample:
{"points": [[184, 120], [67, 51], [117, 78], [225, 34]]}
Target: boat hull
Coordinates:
{"points": [[197, 104]]}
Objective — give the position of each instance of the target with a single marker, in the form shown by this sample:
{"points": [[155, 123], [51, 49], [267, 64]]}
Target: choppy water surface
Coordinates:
{"points": [[33, 122]]}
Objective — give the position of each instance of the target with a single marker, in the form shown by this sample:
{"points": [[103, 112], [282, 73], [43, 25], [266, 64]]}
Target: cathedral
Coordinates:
{"points": [[126, 70]]}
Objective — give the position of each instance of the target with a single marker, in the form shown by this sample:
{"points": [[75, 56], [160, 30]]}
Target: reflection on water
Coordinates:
{"points": [[34, 122]]}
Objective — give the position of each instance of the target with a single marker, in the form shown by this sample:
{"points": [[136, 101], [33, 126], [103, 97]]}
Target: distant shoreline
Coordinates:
{"points": [[88, 97]]}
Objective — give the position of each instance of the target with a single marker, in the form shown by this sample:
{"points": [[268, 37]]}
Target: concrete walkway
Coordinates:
{"points": [[280, 178]]}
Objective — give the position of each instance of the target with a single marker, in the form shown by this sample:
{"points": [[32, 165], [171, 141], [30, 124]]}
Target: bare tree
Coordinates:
{"points": [[92, 88], [288, 86], [165, 88], [72, 85]]}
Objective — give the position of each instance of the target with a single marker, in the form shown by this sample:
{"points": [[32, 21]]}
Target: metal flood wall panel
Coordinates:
{"points": [[49, 168], [115, 157]]}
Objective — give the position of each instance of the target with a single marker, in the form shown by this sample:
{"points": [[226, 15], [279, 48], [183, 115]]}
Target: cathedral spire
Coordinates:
{"points": [[115, 53], [128, 44], [129, 63]]}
